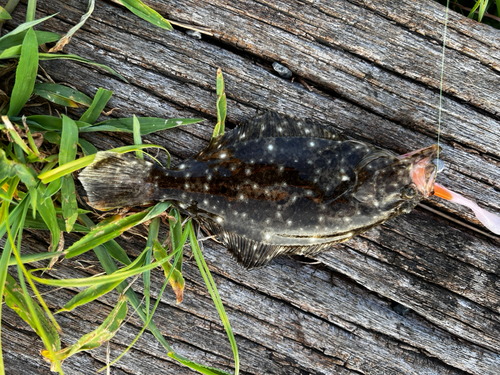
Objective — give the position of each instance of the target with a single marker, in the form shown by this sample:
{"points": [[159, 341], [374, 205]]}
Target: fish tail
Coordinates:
{"points": [[115, 180]]}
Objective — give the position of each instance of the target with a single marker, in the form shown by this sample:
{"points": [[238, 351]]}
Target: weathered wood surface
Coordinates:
{"points": [[374, 67]]}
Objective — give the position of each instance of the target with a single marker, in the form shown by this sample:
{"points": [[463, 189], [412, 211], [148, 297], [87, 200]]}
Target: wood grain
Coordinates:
{"points": [[374, 69]]}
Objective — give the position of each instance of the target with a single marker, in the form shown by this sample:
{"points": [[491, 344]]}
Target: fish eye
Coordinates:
{"points": [[408, 192]]}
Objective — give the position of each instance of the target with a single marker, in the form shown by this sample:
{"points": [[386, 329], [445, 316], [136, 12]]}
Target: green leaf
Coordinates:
{"points": [[25, 74], [212, 289], [137, 136], [87, 147], [4, 15], [10, 168], [88, 295], [38, 223], [69, 140], [101, 98], [106, 232], [16, 300], [16, 40], [176, 279], [221, 107], [66, 38], [67, 153], [62, 95], [148, 124], [48, 123], [196, 366], [146, 13], [57, 56], [94, 339], [48, 213], [25, 26]]}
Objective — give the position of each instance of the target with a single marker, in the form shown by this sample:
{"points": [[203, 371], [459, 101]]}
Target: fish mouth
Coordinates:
{"points": [[423, 171]]}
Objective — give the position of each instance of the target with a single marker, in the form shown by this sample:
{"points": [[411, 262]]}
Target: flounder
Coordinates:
{"points": [[273, 186]]}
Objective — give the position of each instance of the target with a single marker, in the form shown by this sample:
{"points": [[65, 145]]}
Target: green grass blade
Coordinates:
{"points": [[110, 267], [96, 338], [137, 136], [63, 95], [25, 26], [146, 13], [25, 74], [88, 295], [31, 10], [221, 107], [67, 154], [172, 274], [66, 38], [112, 230], [14, 40], [196, 366], [148, 124], [17, 302], [20, 210], [47, 211], [101, 98], [4, 15], [120, 275], [48, 123], [154, 229], [31, 258], [87, 147], [56, 56], [212, 289]]}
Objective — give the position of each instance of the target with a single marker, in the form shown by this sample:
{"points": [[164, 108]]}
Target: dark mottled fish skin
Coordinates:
{"points": [[272, 186]]}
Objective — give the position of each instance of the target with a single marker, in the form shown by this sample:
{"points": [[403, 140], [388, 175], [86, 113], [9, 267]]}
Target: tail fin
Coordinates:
{"points": [[116, 180]]}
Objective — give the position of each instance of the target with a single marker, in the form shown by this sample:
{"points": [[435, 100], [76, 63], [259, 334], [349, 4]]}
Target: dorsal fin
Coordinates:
{"points": [[270, 125]]}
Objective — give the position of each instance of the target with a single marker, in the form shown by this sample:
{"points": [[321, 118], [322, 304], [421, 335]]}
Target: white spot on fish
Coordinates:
{"points": [[268, 221], [248, 171], [312, 144], [205, 202], [223, 155], [267, 236], [182, 166], [345, 177], [186, 186], [289, 222], [270, 147], [219, 220], [206, 187]]}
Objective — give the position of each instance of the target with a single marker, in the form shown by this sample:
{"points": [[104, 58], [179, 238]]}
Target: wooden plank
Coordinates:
{"points": [[374, 67]]}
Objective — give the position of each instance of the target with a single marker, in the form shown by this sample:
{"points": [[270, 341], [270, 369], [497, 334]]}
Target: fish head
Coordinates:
{"points": [[393, 185]]}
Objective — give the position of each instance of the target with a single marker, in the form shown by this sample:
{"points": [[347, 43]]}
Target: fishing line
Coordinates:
{"points": [[442, 76]]}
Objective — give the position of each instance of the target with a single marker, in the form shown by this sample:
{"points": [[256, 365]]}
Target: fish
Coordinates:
{"points": [[273, 186]]}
